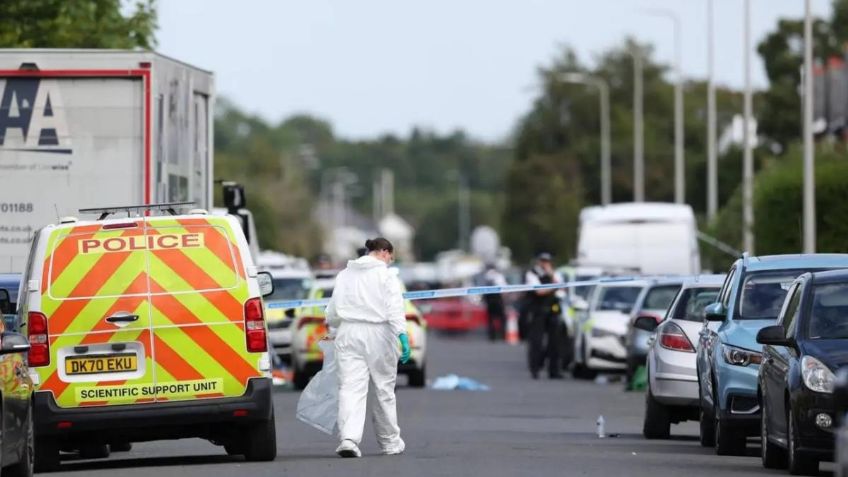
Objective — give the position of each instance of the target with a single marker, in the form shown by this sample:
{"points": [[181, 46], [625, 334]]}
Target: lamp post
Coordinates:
{"points": [[809, 147], [679, 161], [712, 156], [748, 158], [603, 93], [638, 129]]}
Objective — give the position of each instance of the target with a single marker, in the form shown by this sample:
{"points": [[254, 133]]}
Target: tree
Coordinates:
{"points": [[76, 24]]}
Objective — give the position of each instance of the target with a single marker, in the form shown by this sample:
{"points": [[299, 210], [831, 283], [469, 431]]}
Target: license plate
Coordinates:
{"points": [[99, 364]]}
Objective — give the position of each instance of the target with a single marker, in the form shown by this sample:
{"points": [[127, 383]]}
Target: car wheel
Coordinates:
{"points": [[799, 463], [24, 467], [260, 441], [657, 423], [418, 377], [94, 451], [300, 378], [46, 454], [120, 447], [773, 456], [581, 370], [728, 441]]}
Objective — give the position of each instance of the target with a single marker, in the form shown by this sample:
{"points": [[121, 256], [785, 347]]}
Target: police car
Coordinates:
{"points": [[289, 284], [145, 328]]}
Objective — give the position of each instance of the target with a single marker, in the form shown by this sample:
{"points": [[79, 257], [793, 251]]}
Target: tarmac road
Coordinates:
{"points": [[520, 427]]}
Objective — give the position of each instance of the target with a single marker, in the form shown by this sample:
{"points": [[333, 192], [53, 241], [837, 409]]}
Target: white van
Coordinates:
{"points": [[651, 238]]}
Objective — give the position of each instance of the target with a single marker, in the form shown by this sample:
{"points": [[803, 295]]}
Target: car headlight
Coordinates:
{"points": [[741, 357], [601, 333], [817, 376]]}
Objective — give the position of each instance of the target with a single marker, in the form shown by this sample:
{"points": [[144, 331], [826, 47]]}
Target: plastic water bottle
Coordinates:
{"points": [[601, 431]]}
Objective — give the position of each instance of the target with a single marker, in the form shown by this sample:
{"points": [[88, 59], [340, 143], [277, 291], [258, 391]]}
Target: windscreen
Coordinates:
{"points": [[584, 291], [660, 298], [763, 293], [690, 306], [290, 289], [619, 298], [829, 317]]}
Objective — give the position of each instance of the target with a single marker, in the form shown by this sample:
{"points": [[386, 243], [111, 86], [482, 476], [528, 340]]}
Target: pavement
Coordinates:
{"points": [[521, 426]]}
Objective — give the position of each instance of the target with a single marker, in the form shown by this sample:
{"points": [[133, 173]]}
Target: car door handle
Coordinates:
{"points": [[122, 317]]}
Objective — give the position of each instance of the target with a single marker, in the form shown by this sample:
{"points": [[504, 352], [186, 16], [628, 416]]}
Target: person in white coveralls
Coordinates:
{"points": [[367, 320]]}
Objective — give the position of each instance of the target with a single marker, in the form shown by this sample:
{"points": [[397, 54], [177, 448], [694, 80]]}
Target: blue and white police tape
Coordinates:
{"points": [[468, 291]]}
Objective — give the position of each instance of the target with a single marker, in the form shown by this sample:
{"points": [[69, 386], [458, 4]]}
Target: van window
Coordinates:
{"points": [[192, 258]]}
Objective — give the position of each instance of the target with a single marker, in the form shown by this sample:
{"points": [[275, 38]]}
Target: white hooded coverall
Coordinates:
{"points": [[367, 311]]}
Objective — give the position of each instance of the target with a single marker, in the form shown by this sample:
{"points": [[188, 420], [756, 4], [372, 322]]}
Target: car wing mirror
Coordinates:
{"points": [[774, 335], [646, 323], [715, 312], [266, 283], [13, 343]]}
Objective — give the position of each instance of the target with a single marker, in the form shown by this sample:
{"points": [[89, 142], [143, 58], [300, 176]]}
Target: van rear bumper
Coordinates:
{"points": [[153, 421]]}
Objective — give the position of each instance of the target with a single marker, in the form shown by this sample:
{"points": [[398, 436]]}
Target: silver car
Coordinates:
{"points": [[672, 395], [654, 302]]}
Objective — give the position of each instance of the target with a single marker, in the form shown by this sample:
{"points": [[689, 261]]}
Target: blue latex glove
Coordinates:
{"points": [[405, 351]]}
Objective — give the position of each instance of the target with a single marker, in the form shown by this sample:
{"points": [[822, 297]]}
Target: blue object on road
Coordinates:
{"points": [[453, 382]]}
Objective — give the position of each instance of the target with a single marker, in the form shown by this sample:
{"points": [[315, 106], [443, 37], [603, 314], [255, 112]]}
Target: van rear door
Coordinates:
{"points": [[95, 299], [198, 295]]}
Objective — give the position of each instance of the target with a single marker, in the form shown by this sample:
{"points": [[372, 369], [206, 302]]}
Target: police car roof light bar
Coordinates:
{"points": [[170, 207]]}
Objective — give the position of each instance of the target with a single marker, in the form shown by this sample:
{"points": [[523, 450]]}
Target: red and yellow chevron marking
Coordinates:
{"points": [[189, 299]]}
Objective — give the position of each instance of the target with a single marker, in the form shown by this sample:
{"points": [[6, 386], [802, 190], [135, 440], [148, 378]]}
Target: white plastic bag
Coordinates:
{"points": [[318, 405]]}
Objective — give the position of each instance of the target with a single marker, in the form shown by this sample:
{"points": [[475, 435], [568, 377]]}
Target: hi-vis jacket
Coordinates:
{"points": [[367, 291]]}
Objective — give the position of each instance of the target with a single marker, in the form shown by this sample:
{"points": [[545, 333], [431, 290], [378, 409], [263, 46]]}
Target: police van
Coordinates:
{"points": [[147, 327]]}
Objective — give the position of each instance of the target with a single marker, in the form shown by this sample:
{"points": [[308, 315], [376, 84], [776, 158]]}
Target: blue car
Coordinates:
{"points": [[729, 357]]}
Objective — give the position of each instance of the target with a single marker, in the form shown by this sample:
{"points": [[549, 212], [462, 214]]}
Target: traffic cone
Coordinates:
{"points": [[512, 327]]}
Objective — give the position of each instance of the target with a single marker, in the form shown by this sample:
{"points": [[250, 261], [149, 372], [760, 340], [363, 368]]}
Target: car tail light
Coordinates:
{"points": [[310, 320], [254, 326], [39, 351], [414, 318], [672, 337]]}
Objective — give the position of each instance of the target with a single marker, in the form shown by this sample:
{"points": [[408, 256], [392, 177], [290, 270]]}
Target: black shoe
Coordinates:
{"points": [[534, 374], [556, 376]]}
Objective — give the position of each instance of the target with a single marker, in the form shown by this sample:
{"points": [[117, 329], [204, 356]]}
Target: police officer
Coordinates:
{"points": [[544, 310], [494, 302]]}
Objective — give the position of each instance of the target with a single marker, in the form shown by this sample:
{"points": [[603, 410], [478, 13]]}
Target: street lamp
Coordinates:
{"points": [[748, 158], [712, 156], [809, 151], [638, 129], [679, 173], [603, 93]]}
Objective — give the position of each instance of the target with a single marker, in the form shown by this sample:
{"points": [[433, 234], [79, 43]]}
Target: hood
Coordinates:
{"points": [[365, 262], [833, 353], [611, 320], [743, 333]]}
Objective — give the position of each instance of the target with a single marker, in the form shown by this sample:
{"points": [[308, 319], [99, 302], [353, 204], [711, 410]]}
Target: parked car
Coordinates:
{"points": [[653, 303], [599, 344], [840, 395], [16, 387], [801, 354], [728, 355], [310, 327], [456, 314], [672, 395], [289, 284]]}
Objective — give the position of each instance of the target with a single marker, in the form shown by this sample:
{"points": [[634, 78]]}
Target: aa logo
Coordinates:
{"points": [[32, 116]]}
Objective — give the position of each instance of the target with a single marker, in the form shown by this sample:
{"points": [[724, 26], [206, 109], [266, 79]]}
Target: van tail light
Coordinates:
{"points": [[310, 320], [673, 338], [414, 318], [39, 351], [254, 326]]}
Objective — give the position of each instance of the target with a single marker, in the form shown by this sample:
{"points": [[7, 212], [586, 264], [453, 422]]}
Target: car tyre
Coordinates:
{"points": [[46, 454], [94, 451], [707, 428], [300, 378], [772, 455], [25, 466], [799, 463], [657, 423], [728, 441], [120, 447], [580, 370], [418, 377], [261, 441]]}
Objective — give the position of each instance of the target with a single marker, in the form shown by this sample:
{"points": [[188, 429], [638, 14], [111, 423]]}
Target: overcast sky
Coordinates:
{"points": [[375, 66]]}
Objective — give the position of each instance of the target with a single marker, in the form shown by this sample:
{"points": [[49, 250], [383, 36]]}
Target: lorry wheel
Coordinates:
{"points": [[260, 441], [657, 423], [418, 377], [46, 454], [94, 451]]}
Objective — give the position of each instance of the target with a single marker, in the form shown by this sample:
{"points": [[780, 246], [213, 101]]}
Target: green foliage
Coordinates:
{"points": [[76, 24]]}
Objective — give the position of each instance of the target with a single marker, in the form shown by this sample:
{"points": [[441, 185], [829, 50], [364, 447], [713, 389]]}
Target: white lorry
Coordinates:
{"points": [[94, 128], [651, 238]]}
